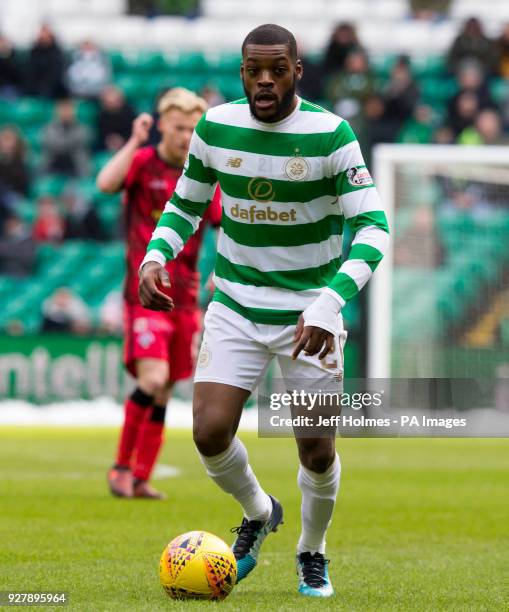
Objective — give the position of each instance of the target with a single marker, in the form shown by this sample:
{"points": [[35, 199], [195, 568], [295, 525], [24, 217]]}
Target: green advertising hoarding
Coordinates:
{"points": [[57, 367]]}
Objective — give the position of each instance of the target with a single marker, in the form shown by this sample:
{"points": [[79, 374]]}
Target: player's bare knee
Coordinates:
{"points": [[162, 396], [317, 456], [154, 382], [211, 436], [152, 385]]}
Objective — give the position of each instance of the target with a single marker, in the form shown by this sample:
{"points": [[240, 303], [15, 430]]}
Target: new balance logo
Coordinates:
{"points": [[234, 162]]}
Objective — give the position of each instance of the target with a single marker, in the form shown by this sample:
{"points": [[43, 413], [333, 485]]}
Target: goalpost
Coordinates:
{"points": [[439, 301]]}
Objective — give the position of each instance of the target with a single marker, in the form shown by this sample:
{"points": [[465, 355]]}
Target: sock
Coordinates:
{"points": [[232, 472], [319, 492], [149, 442], [135, 408]]}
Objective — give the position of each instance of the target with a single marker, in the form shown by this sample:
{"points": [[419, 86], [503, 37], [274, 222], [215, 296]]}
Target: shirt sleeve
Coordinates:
{"points": [[364, 215], [186, 207]]}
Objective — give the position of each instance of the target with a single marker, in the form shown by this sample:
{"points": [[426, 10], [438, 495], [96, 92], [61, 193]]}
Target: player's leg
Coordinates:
{"points": [[151, 378], [145, 339], [318, 479], [320, 468], [151, 430], [231, 361], [217, 409], [181, 351]]}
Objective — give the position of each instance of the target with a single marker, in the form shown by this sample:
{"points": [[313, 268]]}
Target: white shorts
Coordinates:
{"points": [[236, 351]]}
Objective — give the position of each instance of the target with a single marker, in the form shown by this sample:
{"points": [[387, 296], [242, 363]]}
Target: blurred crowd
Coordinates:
{"points": [[381, 108], [393, 110]]}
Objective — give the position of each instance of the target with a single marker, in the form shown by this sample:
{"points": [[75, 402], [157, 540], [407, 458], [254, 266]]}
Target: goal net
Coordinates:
{"points": [[439, 302]]}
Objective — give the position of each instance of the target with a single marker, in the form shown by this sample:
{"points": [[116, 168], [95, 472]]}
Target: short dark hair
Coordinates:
{"points": [[271, 34]]}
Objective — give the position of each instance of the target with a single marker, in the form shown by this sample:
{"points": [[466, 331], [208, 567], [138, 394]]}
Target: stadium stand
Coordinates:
{"points": [[148, 56]]}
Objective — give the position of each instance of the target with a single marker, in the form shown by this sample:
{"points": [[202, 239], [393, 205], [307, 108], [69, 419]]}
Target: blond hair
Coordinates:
{"points": [[183, 100]]}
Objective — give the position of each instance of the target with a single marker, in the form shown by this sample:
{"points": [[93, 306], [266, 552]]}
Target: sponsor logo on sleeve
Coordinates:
{"points": [[359, 177]]}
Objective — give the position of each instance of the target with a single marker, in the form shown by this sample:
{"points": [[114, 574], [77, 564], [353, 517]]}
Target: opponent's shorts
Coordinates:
{"points": [[170, 336], [236, 351]]}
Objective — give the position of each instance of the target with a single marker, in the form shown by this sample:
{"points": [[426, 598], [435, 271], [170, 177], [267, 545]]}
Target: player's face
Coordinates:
{"points": [[269, 76], [176, 129]]}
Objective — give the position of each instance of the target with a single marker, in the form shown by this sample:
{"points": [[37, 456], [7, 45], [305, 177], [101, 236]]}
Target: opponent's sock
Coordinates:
{"points": [[319, 492], [149, 442], [232, 472], [135, 408]]}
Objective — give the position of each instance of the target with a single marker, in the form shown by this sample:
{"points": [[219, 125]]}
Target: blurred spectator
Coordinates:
{"points": [[504, 112], [154, 8], [486, 131], [46, 65], [65, 143], [429, 10], [48, 225], [472, 44], [17, 249], [371, 127], [80, 220], [443, 135], [312, 82], [6, 208], [465, 198], [418, 129], [343, 40], [212, 95], [503, 52], [350, 88], [115, 119], [401, 93], [64, 311], [14, 173], [89, 71], [11, 79], [473, 96], [111, 314], [463, 110], [472, 78]]}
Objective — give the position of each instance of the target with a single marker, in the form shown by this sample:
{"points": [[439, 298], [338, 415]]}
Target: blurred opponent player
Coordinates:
{"points": [[158, 345]]}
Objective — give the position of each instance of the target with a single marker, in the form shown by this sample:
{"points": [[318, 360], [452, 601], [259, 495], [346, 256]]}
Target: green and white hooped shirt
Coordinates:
{"points": [[287, 189]]}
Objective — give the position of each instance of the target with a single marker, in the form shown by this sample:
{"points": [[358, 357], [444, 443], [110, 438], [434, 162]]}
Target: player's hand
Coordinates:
{"points": [[141, 128], [311, 339], [152, 277]]}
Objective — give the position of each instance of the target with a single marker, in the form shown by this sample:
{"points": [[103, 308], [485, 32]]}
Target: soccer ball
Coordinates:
{"points": [[198, 565]]}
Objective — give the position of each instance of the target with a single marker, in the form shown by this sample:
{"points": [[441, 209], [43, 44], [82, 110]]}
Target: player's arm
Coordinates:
{"points": [[111, 178], [366, 218], [180, 219]]}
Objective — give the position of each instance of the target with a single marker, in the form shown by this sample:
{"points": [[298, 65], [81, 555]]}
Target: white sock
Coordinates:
{"points": [[232, 472], [319, 492]]}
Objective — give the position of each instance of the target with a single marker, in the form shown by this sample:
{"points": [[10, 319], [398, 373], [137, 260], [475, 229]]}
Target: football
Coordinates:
{"points": [[198, 565]]}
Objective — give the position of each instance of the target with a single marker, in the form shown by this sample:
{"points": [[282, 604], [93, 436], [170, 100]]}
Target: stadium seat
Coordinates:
{"points": [[437, 90], [99, 160], [428, 66], [86, 112], [32, 111], [52, 185]]}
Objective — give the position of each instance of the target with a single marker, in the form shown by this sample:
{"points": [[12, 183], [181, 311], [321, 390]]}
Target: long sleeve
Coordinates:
{"points": [[185, 209], [365, 217]]}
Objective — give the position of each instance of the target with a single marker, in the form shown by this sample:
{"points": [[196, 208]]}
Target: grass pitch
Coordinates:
{"points": [[419, 525]]}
